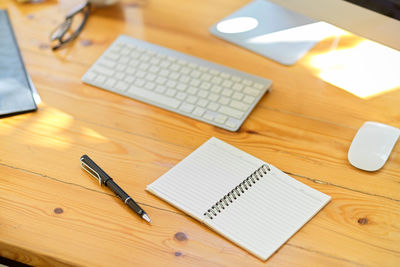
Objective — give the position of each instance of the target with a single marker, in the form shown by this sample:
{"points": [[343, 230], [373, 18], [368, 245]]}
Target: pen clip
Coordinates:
{"points": [[90, 171]]}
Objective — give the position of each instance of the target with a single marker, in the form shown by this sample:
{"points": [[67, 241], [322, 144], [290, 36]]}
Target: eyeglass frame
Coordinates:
{"points": [[59, 32]]}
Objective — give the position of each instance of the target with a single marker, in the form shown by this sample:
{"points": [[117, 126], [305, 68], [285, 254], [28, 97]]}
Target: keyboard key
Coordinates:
{"points": [[195, 74], [144, 66], [164, 73], [216, 89], [224, 100], [121, 86], [135, 54], [236, 79], [129, 79], [139, 82], [123, 60], [195, 82], [182, 62], [152, 96], [171, 84], [231, 112], [160, 89], [181, 87], [185, 70], [100, 79], [144, 58], [237, 87], [237, 96], [213, 106], [181, 96], [192, 65], [231, 123], [170, 92], [121, 67], [247, 82], [175, 67], [227, 84], [220, 118], [186, 107], [249, 99], [203, 69], [198, 111], [165, 64], [133, 63], [239, 105], [112, 56], [208, 116], [103, 70], [227, 92], [150, 77], [203, 93], [119, 76], [161, 80], [206, 77], [154, 69], [172, 59], [214, 72], [184, 78], [225, 75], [174, 75], [205, 86], [150, 86], [192, 99], [202, 102], [108, 63], [250, 91], [258, 86], [213, 97], [90, 76], [216, 80], [140, 74], [154, 61], [110, 82], [192, 90]]}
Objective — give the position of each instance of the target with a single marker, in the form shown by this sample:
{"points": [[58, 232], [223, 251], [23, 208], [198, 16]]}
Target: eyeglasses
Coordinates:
{"points": [[71, 28]]}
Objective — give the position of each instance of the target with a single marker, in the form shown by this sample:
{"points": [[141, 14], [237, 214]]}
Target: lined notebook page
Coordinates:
{"points": [[269, 213], [261, 219], [202, 178]]}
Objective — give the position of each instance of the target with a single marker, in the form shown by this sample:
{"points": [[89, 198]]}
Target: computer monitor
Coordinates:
{"points": [[285, 30], [377, 20]]}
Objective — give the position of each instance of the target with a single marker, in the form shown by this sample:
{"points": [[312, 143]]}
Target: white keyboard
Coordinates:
{"points": [[184, 84]]}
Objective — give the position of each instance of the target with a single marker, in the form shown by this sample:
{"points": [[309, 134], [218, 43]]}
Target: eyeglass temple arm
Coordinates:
{"points": [[78, 9]]}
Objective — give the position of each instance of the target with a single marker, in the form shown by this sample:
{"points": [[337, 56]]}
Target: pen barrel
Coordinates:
{"points": [[117, 190], [124, 197], [135, 207]]}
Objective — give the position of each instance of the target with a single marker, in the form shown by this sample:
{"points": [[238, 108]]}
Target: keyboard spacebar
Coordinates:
{"points": [[153, 97]]}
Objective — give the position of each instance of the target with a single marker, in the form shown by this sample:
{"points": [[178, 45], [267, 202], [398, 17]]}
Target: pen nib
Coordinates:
{"points": [[146, 217]]}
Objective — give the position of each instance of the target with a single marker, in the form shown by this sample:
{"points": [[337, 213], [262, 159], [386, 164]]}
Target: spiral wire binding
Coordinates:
{"points": [[237, 191]]}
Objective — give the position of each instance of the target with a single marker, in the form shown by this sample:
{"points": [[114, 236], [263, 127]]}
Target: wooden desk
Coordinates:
{"points": [[53, 213]]}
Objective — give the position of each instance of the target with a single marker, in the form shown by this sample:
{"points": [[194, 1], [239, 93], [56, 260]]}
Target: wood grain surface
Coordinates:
{"points": [[53, 214]]}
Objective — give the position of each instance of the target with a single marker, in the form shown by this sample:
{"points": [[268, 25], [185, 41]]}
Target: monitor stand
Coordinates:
{"points": [[272, 31]]}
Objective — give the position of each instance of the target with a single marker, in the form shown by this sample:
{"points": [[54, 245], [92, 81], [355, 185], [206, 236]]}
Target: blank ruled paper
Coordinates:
{"points": [[262, 219]]}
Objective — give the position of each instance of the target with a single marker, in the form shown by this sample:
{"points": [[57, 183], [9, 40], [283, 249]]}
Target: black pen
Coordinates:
{"points": [[94, 170]]}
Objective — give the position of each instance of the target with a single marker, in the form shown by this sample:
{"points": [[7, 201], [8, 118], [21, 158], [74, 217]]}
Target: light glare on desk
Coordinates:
{"points": [[365, 70]]}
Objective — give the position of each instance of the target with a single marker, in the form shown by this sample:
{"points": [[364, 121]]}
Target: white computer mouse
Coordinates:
{"points": [[372, 145]]}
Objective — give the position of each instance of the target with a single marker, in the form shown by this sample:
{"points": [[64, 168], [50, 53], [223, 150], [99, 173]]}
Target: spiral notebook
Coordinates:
{"points": [[246, 200]]}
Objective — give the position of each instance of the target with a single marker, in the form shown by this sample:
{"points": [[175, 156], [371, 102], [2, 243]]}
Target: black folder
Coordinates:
{"points": [[16, 88]]}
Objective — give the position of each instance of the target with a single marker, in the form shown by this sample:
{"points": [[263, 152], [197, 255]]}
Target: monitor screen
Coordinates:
{"points": [[377, 20], [390, 8]]}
